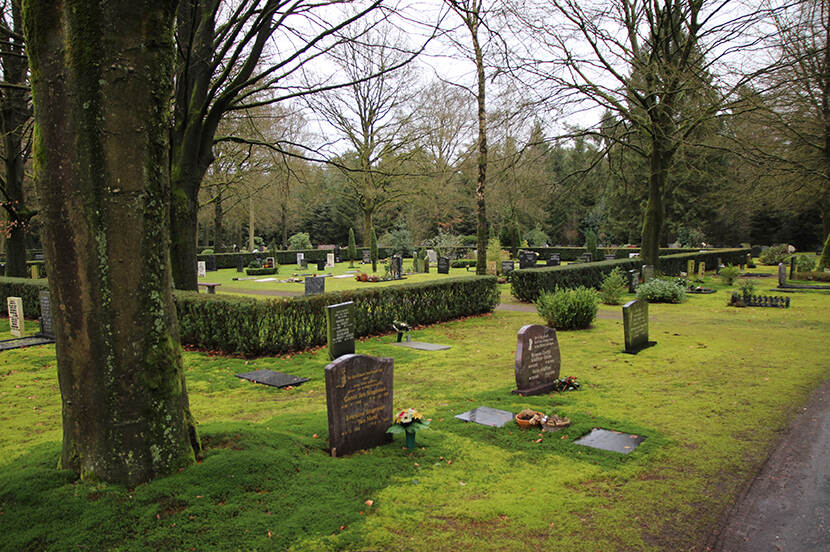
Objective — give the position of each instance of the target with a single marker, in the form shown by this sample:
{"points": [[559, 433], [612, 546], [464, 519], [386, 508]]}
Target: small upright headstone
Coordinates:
{"points": [[270, 262], [359, 402], [314, 285], [792, 267], [396, 267], [648, 273], [432, 255], [701, 270], [301, 262], [633, 281], [690, 267], [527, 259], [34, 271], [321, 265], [635, 326], [443, 265], [201, 271], [492, 268], [537, 360], [367, 256], [240, 264], [610, 257], [425, 265], [340, 329], [329, 260], [14, 305], [507, 267], [211, 263], [756, 251], [47, 324], [554, 260], [782, 275]]}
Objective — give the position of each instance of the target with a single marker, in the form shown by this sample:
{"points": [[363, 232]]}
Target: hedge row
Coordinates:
{"points": [[251, 326], [526, 284]]}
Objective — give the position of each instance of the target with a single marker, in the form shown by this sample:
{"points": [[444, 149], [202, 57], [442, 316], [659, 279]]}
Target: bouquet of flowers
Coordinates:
{"points": [[408, 421]]}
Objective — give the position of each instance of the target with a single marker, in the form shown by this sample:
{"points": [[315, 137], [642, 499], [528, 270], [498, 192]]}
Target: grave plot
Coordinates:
{"points": [[738, 300], [615, 441], [274, 379]]}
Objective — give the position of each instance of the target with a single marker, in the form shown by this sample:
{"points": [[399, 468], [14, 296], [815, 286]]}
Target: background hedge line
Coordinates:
{"points": [[235, 324], [527, 284]]}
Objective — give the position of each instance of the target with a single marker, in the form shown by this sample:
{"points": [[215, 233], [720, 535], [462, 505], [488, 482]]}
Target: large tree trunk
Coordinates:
{"points": [[218, 224], [482, 235], [13, 117], [655, 208], [184, 212], [101, 81], [367, 226]]}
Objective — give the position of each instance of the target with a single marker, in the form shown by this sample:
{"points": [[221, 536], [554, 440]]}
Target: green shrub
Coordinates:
{"points": [[568, 309], [300, 240], [746, 287], [260, 271], [255, 263], [805, 263], [537, 237], [729, 274], [494, 250], [461, 263], [591, 244], [815, 276], [613, 287], [775, 254], [661, 291], [206, 252]]}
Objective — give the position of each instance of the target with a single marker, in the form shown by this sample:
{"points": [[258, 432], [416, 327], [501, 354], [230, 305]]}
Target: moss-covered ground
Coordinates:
{"points": [[711, 399]]}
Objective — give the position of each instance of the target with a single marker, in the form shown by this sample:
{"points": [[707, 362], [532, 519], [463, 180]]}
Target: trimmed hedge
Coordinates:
{"points": [[526, 284], [260, 271], [251, 326], [461, 263]]}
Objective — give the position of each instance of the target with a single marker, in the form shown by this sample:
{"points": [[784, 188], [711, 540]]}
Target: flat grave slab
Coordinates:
{"points": [[615, 441], [485, 415], [274, 379], [20, 342], [421, 346]]}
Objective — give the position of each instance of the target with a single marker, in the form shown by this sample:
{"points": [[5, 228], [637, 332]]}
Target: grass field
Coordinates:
{"points": [[711, 399]]}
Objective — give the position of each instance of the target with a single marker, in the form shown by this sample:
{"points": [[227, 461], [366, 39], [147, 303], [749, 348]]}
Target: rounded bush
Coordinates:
{"points": [[613, 288], [661, 291], [729, 274], [568, 309], [805, 263], [775, 254]]}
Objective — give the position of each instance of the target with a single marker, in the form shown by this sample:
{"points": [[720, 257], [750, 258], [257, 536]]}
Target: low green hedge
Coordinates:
{"points": [[526, 284], [260, 271], [235, 324], [461, 263]]}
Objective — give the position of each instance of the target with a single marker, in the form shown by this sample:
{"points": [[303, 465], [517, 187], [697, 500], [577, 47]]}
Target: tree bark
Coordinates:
{"points": [[101, 82], [482, 235], [655, 208], [218, 224]]}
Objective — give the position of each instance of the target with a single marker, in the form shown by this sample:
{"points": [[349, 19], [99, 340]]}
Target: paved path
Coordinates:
{"points": [[787, 506]]}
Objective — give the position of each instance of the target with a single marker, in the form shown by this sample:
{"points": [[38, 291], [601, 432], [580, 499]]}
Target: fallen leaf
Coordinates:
{"points": [[369, 502]]}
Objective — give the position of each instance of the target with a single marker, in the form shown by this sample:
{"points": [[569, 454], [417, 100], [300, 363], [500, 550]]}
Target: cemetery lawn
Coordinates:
{"points": [[711, 398]]}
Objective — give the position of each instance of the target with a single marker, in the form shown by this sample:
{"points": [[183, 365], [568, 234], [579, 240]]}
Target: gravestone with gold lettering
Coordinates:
{"points": [[701, 270], [359, 402], [635, 326], [690, 267], [340, 334], [537, 360], [14, 305]]}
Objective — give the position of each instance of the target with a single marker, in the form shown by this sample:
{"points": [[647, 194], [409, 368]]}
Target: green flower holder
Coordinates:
{"points": [[410, 439]]}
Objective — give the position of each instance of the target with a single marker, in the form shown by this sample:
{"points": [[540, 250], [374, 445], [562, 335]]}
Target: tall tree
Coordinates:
{"points": [[101, 81], [15, 117]]}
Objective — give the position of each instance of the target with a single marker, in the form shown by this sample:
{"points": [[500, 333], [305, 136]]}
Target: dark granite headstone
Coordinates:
{"points": [[240, 264], [487, 416], [443, 265], [47, 324], [615, 441], [537, 360], [396, 267], [554, 260], [527, 259], [507, 267], [633, 281], [782, 275], [315, 285], [274, 379], [340, 329], [321, 265], [367, 256], [635, 326], [756, 251], [792, 267], [303, 264], [211, 263], [359, 402], [610, 257]]}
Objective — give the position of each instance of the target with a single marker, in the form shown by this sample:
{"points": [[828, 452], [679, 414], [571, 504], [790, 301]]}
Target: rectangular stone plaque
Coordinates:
{"points": [[633, 281], [47, 324], [274, 379], [359, 402], [211, 263], [201, 271], [329, 260], [648, 273], [507, 267], [701, 270], [321, 265], [537, 360], [367, 256], [314, 285], [527, 259], [14, 305], [554, 260], [301, 260], [615, 441], [492, 268], [635, 326], [782, 275], [487, 416], [443, 265], [340, 329], [690, 267]]}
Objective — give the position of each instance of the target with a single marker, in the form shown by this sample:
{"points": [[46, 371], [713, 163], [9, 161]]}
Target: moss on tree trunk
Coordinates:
{"points": [[101, 81]]}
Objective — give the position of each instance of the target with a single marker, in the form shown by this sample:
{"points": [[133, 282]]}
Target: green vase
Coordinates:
{"points": [[410, 439]]}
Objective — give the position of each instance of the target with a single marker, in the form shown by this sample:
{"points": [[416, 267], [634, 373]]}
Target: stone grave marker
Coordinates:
{"points": [[782, 275], [321, 265], [635, 326], [443, 265], [329, 260], [14, 305], [34, 271], [271, 378], [610, 257], [527, 259], [554, 260], [314, 285], [432, 255], [301, 260], [201, 271], [492, 268], [367, 256], [340, 329], [240, 264], [615, 441], [47, 323], [537, 360], [507, 267], [690, 267], [648, 273], [271, 262], [425, 265], [396, 267], [701, 270], [633, 281], [211, 263], [359, 402], [586, 257], [487, 416], [792, 267], [756, 251]]}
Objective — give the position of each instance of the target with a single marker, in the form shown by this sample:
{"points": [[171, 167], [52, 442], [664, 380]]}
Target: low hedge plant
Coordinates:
{"points": [[568, 309], [659, 290], [260, 271]]}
